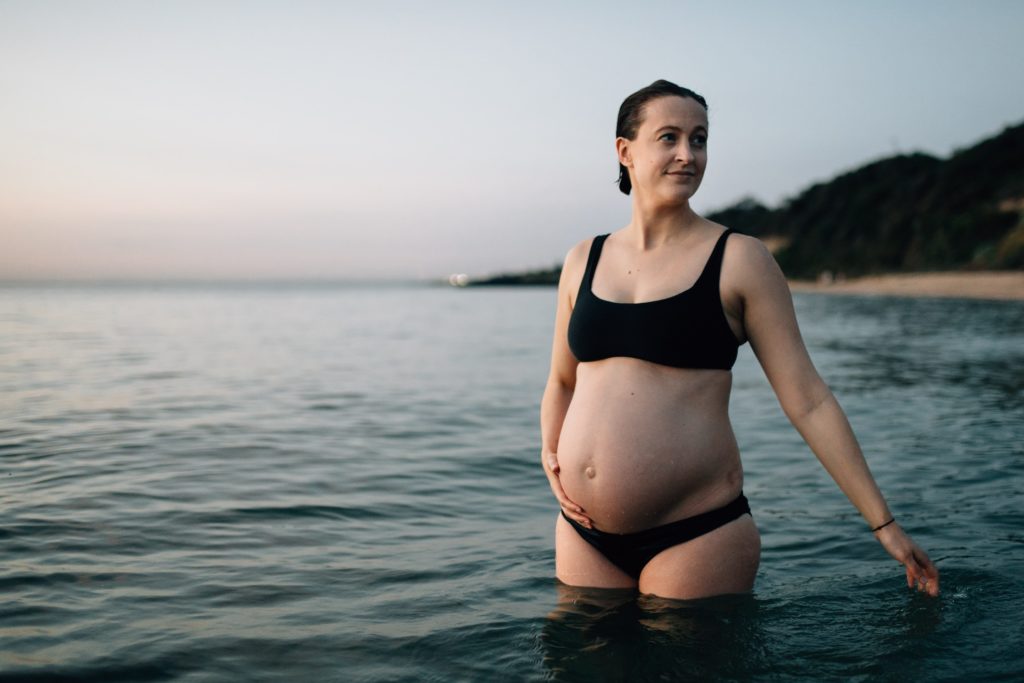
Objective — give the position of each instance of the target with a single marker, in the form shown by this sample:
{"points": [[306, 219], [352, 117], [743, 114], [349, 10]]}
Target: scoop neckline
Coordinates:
{"points": [[703, 272]]}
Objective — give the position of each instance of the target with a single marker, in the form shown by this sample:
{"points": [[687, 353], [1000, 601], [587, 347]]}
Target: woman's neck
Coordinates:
{"points": [[652, 226]]}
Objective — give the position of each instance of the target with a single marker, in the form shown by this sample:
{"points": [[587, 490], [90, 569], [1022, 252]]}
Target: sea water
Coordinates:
{"points": [[341, 483]]}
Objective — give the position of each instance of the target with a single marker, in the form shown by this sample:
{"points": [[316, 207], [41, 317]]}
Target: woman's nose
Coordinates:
{"points": [[684, 153]]}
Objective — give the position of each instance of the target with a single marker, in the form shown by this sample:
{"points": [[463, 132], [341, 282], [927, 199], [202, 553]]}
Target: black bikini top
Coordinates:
{"points": [[688, 330]]}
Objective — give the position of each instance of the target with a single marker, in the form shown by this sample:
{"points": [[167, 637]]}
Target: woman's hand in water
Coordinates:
{"points": [[921, 573], [573, 511]]}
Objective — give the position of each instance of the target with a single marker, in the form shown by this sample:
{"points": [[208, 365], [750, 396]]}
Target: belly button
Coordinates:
{"points": [[590, 472]]}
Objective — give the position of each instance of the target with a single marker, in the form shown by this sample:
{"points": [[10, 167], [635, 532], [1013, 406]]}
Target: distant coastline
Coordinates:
{"points": [[998, 285], [1002, 285], [547, 276]]}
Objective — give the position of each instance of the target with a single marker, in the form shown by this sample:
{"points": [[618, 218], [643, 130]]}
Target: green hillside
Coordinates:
{"points": [[910, 212]]}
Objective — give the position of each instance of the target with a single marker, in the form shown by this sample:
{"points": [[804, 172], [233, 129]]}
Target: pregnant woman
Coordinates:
{"points": [[636, 439]]}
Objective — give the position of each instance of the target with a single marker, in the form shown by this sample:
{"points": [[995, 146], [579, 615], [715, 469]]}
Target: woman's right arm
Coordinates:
{"points": [[561, 380]]}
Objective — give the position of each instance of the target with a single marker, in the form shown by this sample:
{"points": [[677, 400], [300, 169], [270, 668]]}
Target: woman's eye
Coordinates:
{"points": [[699, 140], [668, 137]]}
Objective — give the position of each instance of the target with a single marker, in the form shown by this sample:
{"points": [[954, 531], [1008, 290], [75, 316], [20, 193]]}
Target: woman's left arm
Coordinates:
{"points": [[764, 305]]}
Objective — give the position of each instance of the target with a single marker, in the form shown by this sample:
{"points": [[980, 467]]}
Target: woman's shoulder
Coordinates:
{"points": [[579, 250], [748, 263], [576, 258], [575, 263], [742, 248]]}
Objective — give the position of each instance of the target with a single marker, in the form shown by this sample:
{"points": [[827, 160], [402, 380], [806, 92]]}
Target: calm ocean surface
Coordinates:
{"points": [[342, 483]]}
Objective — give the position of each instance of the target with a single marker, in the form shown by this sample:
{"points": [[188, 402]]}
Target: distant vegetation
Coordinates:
{"points": [[531, 277], [911, 212]]}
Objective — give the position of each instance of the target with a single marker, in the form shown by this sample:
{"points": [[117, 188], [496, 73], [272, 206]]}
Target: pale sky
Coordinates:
{"points": [[296, 139]]}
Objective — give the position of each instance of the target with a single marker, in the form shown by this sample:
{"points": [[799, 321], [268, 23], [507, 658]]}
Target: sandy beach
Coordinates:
{"points": [[975, 285]]}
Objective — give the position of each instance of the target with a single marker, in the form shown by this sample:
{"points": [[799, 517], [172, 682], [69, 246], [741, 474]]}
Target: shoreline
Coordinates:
{"points": [[997, 285]]}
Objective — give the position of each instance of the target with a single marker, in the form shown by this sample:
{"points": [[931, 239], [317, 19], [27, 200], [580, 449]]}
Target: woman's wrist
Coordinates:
{"points": [[883, 525]]}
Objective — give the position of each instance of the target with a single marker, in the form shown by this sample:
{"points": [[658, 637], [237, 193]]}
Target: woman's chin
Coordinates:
{"points": [[678, 198]]}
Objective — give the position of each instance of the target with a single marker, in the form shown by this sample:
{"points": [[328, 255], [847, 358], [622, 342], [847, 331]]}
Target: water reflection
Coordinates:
{"points": [[600, 634]]}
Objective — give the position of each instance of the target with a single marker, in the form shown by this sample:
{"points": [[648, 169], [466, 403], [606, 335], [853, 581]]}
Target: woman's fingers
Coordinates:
{"points": [[929, 573], [556, 486], [571, 509], [551, 461], [921, 573], [582, 520], [563, 500], [914, 573]]}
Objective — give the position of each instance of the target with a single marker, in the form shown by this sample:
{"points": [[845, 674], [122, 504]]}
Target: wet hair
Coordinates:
{"points": [[631, 115]]}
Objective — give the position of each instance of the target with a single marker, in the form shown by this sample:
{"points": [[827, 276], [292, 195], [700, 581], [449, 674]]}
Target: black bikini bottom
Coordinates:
{"points": [[630, 552]]}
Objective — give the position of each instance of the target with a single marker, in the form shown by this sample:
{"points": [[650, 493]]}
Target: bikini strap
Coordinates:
{"points": [[713, 268], [595, 253]]}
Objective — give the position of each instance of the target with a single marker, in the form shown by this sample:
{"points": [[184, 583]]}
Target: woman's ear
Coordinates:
{"points": [[622, 150]]}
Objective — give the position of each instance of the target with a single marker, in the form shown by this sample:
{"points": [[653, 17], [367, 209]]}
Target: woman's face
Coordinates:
{"points": [[668, 156]]}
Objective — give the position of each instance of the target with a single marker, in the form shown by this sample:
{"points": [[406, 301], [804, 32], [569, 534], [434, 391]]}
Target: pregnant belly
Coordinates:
{"points": [[633, 465], [629, 491]]}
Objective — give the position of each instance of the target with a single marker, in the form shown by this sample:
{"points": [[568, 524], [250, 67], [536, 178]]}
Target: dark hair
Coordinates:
{"points": [[631, 116]]}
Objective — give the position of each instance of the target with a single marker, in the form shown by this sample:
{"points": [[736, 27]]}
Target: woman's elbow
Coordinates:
{"points": [[561, 378], [560, 383], [804, 402]]}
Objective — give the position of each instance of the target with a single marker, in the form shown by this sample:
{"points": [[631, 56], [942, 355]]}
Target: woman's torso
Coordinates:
{"points": [[644, 443]]}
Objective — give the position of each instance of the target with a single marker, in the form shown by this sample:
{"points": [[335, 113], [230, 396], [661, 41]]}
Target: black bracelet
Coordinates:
{"points": [[882, 526]]}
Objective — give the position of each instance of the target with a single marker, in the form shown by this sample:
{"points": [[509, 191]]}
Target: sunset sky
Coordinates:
{"points": [[411, 140]]}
